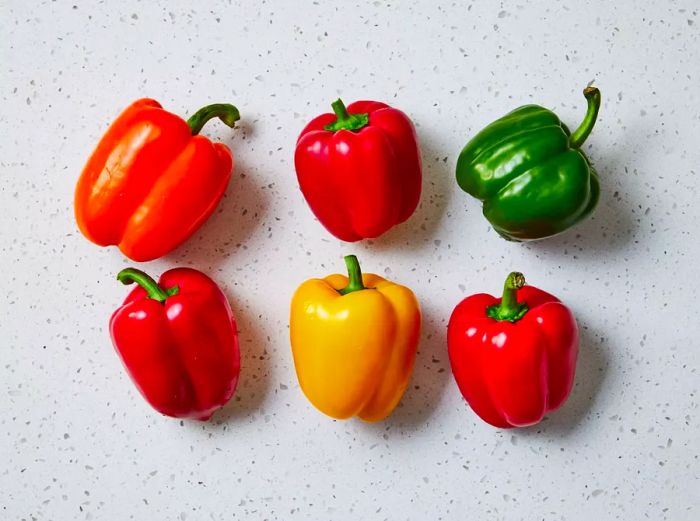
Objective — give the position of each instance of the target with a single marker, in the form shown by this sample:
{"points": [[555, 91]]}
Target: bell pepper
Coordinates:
{"points": [[359, 169], [530, 172], [513, 358], [354, 342], [178, 341], [152, 179]]}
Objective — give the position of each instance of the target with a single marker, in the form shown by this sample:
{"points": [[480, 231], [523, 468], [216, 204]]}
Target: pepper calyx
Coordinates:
{"points": [[345, 120]]}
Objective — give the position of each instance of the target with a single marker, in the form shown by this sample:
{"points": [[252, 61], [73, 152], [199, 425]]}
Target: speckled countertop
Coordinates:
{"points": [[78, 442]]}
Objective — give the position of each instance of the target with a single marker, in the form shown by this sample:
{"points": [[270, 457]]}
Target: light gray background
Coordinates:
{"points": [[78, 442]]}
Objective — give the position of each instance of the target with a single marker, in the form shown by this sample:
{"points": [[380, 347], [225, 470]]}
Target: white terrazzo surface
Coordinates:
{"points": [[78, 442]]}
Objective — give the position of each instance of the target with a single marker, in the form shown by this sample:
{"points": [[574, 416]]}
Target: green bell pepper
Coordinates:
{"points": [[530, 173]]}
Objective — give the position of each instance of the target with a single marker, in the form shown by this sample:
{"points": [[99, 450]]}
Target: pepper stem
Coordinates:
{"points": [[579, 135], [354, 276], [346, 121], [224, 111], [509, 309], [155, 292]]}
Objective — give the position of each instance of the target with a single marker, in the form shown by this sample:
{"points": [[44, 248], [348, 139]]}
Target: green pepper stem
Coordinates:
{"points": [[345, 120], [155, 292], [579, 135], [354, 276], [224, 111], [509, 309]]}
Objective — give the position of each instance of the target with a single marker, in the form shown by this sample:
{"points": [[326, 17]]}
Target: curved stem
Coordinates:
{"points": [[509, 309], [354, 276], [579, 135], [346, 121], [155, 292], [224, 111]]}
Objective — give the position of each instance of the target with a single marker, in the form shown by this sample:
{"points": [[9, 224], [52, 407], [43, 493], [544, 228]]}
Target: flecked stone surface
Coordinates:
{"points": [[78, 442]]}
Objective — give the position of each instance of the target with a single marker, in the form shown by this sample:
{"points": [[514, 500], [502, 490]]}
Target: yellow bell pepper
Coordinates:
{"points": [[354, 342]]}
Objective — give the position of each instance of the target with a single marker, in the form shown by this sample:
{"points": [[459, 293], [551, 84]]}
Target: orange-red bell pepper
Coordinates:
{"points": [[152, 180]]}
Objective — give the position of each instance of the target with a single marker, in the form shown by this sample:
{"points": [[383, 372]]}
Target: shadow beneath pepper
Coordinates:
{"points": [[420, 229], [254, 382], [591, 372], [229, 228], [431, 375]]}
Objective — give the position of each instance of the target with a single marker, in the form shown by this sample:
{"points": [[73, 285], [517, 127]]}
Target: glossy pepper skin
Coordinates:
{"points": [[530, 172], [354, 342], [359, 169], [514, 358], [178, 341], [152, 179]]}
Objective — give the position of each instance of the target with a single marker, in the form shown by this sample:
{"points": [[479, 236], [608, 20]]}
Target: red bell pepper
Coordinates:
{"points": [[359, 169], [152, 179], [177, 339], [514, 358]]}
